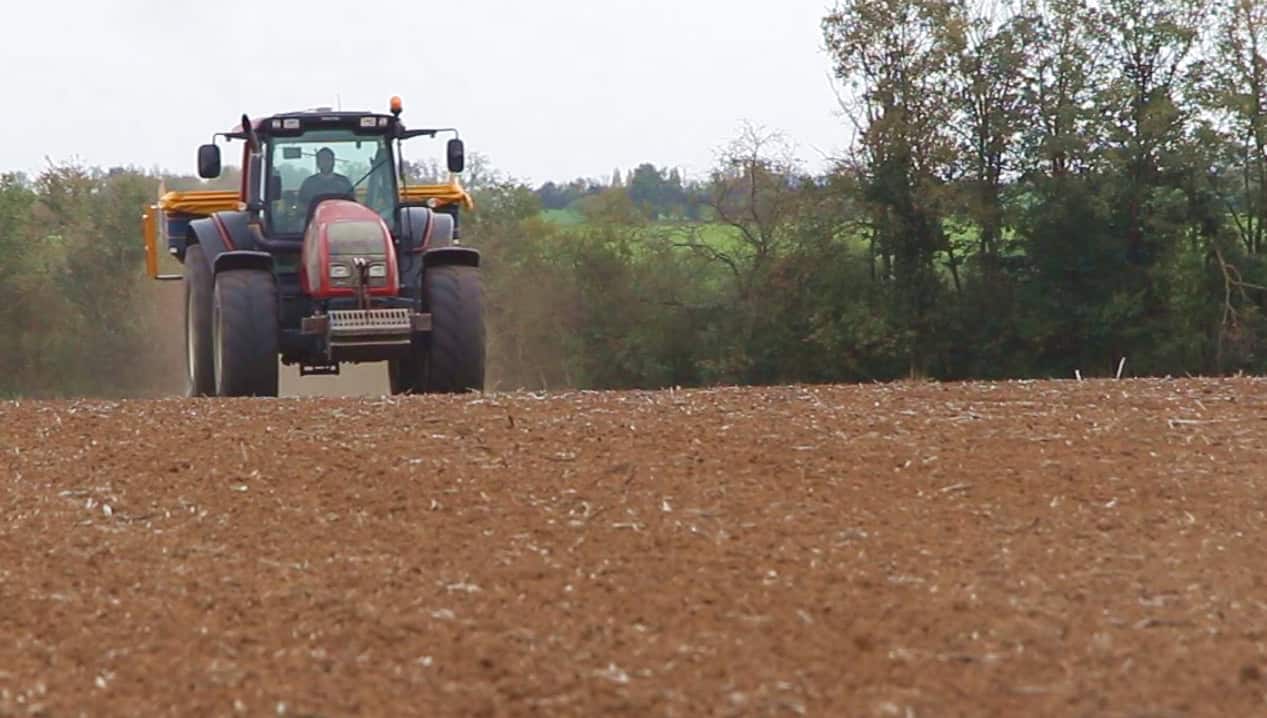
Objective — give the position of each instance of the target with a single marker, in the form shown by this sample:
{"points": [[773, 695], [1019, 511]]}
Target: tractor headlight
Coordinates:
{"points": [[378, 271], [340, 271]]}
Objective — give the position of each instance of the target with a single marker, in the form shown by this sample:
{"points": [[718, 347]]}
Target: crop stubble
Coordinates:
{"points": [[910, 549]]}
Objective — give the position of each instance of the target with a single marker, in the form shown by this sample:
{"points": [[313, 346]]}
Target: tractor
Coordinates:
{"points": [[325, 254]]}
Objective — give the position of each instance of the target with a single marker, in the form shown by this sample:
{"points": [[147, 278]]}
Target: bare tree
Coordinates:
{"points": [[753, 191]]}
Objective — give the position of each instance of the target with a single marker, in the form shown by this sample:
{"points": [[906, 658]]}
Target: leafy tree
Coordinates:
{"points": [[893, 59], [1061, 74], [987, 42], [1237, 92]]}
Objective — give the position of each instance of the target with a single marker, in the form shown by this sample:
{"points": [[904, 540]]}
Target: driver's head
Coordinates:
{"points": [[325, 160]]}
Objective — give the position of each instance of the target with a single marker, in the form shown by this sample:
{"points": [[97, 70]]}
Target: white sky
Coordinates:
{"points": [[548, 90]]}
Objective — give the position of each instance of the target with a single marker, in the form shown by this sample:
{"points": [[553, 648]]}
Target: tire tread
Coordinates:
{"points": [[198, 301], [248, 333]]}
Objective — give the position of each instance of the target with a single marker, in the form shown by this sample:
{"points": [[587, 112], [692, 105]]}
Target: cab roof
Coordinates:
{"points": [[300, 121]]}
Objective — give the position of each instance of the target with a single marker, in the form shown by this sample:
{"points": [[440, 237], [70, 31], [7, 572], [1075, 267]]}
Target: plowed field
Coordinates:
{"points": [[1089, 548]]}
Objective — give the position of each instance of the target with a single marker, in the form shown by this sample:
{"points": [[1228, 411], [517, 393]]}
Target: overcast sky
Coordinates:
{"points": [[551, 89]]}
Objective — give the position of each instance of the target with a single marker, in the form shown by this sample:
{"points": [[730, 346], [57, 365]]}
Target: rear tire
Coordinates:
{"points": [[244, 333], [454, 360], [199, 370]]}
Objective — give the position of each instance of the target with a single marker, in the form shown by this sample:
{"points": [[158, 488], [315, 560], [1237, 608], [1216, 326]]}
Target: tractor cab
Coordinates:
{"points": [[294, 160], [356, 264]]}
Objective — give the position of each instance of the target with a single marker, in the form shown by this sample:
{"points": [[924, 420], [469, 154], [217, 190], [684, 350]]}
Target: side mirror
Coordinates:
{"points": [[457, 156], [209, 161]]}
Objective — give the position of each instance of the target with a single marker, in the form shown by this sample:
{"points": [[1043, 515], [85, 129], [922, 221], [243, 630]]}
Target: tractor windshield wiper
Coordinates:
{"points": [[373, 169]]}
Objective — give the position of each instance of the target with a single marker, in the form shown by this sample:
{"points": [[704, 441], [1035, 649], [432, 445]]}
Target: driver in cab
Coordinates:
{"points": [[325, 182]]}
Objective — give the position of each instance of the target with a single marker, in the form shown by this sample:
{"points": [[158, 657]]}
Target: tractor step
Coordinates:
{"points": [[318, 370]]}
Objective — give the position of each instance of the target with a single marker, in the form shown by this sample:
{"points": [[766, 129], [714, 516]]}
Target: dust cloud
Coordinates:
{"points": [[162, 359]]}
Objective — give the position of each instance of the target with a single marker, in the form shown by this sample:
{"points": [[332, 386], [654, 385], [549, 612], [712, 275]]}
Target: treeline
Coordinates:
{"points": [[77, 314], [1031, 189], [658, 193]]}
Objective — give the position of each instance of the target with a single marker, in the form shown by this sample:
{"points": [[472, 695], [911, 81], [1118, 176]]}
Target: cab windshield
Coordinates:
{"points": [[323, 163]]}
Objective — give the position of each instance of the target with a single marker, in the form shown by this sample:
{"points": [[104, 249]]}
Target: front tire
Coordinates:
{"points": [[455, 349], [199, 369], [450, 359], [244, 333]]}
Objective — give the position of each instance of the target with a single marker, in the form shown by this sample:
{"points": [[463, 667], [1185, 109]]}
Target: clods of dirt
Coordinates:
{"points": [[1034, 548]]}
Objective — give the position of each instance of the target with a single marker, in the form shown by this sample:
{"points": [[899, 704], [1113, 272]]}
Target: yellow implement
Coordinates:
{"points": [[200, 204], [205, 203], [443, 194], [189, 205], [149, 225]]}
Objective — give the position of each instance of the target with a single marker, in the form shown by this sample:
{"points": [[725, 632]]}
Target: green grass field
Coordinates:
{"points": [[563, 217], [722, 237]]}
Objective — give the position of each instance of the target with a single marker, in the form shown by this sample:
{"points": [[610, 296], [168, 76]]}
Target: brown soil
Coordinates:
{"points": [[912, 550]]}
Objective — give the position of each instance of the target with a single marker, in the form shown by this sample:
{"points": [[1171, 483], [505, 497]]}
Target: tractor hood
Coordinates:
{"points": [[342, 210], [343, 243]]}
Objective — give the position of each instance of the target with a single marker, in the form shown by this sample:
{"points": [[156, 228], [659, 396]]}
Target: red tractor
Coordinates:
{"points": [[324, 256]]}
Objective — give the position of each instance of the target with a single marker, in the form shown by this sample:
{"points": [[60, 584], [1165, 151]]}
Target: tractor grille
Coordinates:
{"points": [[369, 322]]}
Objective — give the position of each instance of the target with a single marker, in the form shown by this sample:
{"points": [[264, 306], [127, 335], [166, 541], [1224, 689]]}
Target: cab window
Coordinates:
{"points": [[325, 163]]}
